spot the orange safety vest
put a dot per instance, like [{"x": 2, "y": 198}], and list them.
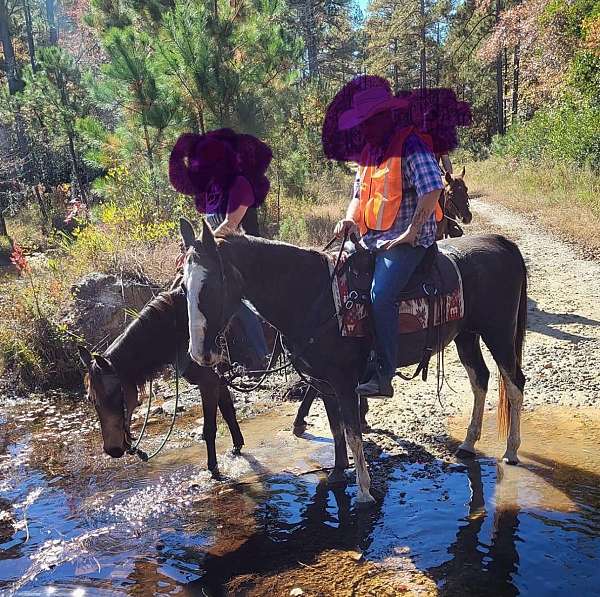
[{"x": 381, "y": 185}]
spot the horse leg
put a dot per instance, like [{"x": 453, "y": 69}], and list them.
[
  {"x": 299, "y": 422},
  {"x": 512, "y": 384},
  {"x": 364, "y": 409},
  {"x": 228, "y": 411},
  {"x": 210, "y": 401},
  {"x": 209, "y": 384},
  {"x": 469, "y": 352},
  {"x": 336, "y": 476},
  {"x": 349, "y": 406}
]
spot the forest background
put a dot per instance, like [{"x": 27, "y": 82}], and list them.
[{"x": 93, "y": 94}]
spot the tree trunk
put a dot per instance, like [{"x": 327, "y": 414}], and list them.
[
  {"x": 150, "y": 158},
  {"x": 43, "y": 211},
  {"x": 423, "y": 49},
  {"x": 3, "y": 228},
  {"x": 396, "y": 73},
  {"x": 52, "y": 30},
  {"x": 10, "y": 64},
  {"x": 29, "y": 29},
  {"x": 515, "y": 93},
  {"x": 75, "y": 165},
  {"x": 499, "y": 80},
  {"x": 310, "y": 39}
]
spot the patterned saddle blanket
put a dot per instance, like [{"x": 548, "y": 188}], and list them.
[{"x": 437, "y": 276}]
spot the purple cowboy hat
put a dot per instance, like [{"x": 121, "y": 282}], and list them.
[
  {"x": 368, "y": 102},
  {"x": 435, "y": 112},
  {"x": 203, "y": 165}
]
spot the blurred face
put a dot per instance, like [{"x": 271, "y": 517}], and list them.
[{"x": 376, "y": 129}]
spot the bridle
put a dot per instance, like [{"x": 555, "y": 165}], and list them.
[{"x": 449, "y": 199}]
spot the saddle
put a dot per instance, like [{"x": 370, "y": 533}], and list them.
[{"x": 433, "y": 296}]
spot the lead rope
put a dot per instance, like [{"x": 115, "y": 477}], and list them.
[{"x": 135, "y": 449}]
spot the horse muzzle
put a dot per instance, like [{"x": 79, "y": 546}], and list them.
[{"x": 114, "y": 452}]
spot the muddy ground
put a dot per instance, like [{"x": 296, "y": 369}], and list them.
[{"x": 275, "y": 528}]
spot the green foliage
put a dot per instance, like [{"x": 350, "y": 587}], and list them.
[
  {"x": 571, "y": 14},
  {"x": 585, "y": 75},
  {"x": 568, "y": 132}
]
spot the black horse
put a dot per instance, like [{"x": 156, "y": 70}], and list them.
[
  {"x": 156, "y": 338},
  {"x": 289, "y": 287}
]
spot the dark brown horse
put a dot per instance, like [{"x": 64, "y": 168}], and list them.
[
  {"x": 156, "y": 338},
  {"x": 455, "y": 204},
  {"x": 454, "y": 201},
  {"x": 290, "y": 288}
]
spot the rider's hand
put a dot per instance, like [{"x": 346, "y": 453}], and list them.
[
  {"x": 345, "y": 226},
  {"x": 408, "y": 238}
]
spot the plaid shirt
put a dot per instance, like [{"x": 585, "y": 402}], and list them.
[{"x": 420, "y": 175}]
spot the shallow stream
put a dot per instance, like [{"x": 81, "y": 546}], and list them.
[{"x": 74, "y": 522}]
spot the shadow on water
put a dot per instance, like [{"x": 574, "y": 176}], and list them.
[{"x": 472, "y": 527}]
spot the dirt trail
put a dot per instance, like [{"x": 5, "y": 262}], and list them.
[{"x": 562, "y": 352}]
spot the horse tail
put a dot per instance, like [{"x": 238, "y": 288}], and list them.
[{"x": 503, "y": 402}]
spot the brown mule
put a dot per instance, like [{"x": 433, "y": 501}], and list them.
[{"x": 455, "y": 204}]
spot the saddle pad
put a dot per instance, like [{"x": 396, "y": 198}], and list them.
[{"x": 413, "y": 312}]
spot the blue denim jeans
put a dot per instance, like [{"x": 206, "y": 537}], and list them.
[
  {"x": 393, "y": 270},
  {"x": 253, "y": 330}
]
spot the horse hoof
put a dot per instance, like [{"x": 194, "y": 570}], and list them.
[
  {"x": 512, "y": 460},
  {"x": 365, "y": 501},
  {"x": 216, "y": 475},
  {"x": 300, "y": 429},
  {"x": 336, "y": 477},
  {"x": 236, "y": 450}
]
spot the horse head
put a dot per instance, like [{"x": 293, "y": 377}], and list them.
[
  {"x": 114, "y": 400},
  {"x": 457, "y": 204},
  {"x": 212, "y": 299}
]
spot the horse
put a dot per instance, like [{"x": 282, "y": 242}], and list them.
[
  {"x": 290, "y": 288},
  {"x": 454, "y": 201},
  {"x": 158, "y": 336}
]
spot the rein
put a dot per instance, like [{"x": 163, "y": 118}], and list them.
[{"x": 240, "y": 371}]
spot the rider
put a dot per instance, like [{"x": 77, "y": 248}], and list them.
[
  {"x": 226, "y": 173},
  {"x": 396, "y": 190}
]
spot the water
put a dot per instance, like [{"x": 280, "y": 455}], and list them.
[{"x": 73, "y": 522}]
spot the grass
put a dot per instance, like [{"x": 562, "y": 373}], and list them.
[{"x": 562, "y": 198}]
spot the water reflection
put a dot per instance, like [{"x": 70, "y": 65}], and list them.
[{"x": 474, "y": 527}]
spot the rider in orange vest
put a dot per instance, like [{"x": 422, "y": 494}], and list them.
[{"x": 396, "y": 192}]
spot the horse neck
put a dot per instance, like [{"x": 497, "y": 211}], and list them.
[
  {"x": 151, "y": 341},
  {"x": 281, "y": 281}
]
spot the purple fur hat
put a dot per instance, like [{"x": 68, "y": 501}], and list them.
[{"x": 205, "y": 166}]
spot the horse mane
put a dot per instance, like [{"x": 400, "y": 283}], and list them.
[
  {"x": 150, "y": 341},
  {"x": 236, "y": 239}
]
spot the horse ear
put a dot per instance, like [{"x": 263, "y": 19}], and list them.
[
  {"x": 103, "y": 363},
  {"x": 207, "y": 238},
  {"x": 86, "y": 356},
  {"x": 188, "y": 234},
  {"x": 462, "y": 174},
  {"x": 448, "y": 177}
]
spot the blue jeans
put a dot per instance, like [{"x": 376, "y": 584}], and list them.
[
  {"x": 253, "y": 330},
  {"x": 393, "y": 270}
]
